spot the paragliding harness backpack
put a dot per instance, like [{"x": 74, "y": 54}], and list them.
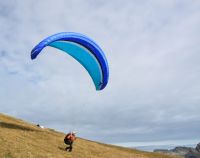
[{"x": 67, "y": 139}]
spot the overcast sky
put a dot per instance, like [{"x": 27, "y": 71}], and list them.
[{"x": 153, "y": 52}]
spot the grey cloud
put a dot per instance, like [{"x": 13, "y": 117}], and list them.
[{"x": 153, "y": 54}]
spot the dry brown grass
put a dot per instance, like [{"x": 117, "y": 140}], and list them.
[{"x": 19, "y": 139}]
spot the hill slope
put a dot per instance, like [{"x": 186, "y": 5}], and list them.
[{"x": 19, "y": 139}]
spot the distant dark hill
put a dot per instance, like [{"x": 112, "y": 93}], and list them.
[
  {"x": 186, "y": 152},
  {"x": 19, "y": 139}
]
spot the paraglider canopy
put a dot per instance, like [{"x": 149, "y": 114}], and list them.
[{"x": 84, "y": 50}]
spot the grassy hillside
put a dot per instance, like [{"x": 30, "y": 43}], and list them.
[{"x": 19, "y": 139}]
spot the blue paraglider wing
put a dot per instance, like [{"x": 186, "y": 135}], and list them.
[{"x": 84, "y": 50}]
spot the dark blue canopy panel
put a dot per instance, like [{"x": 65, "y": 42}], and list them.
[{"x": 84, "y": 50}]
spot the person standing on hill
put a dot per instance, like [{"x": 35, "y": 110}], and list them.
[{"x": 69, "y": 139}]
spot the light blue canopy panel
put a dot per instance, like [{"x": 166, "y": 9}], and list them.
[{"x": 83, "y": 56}]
